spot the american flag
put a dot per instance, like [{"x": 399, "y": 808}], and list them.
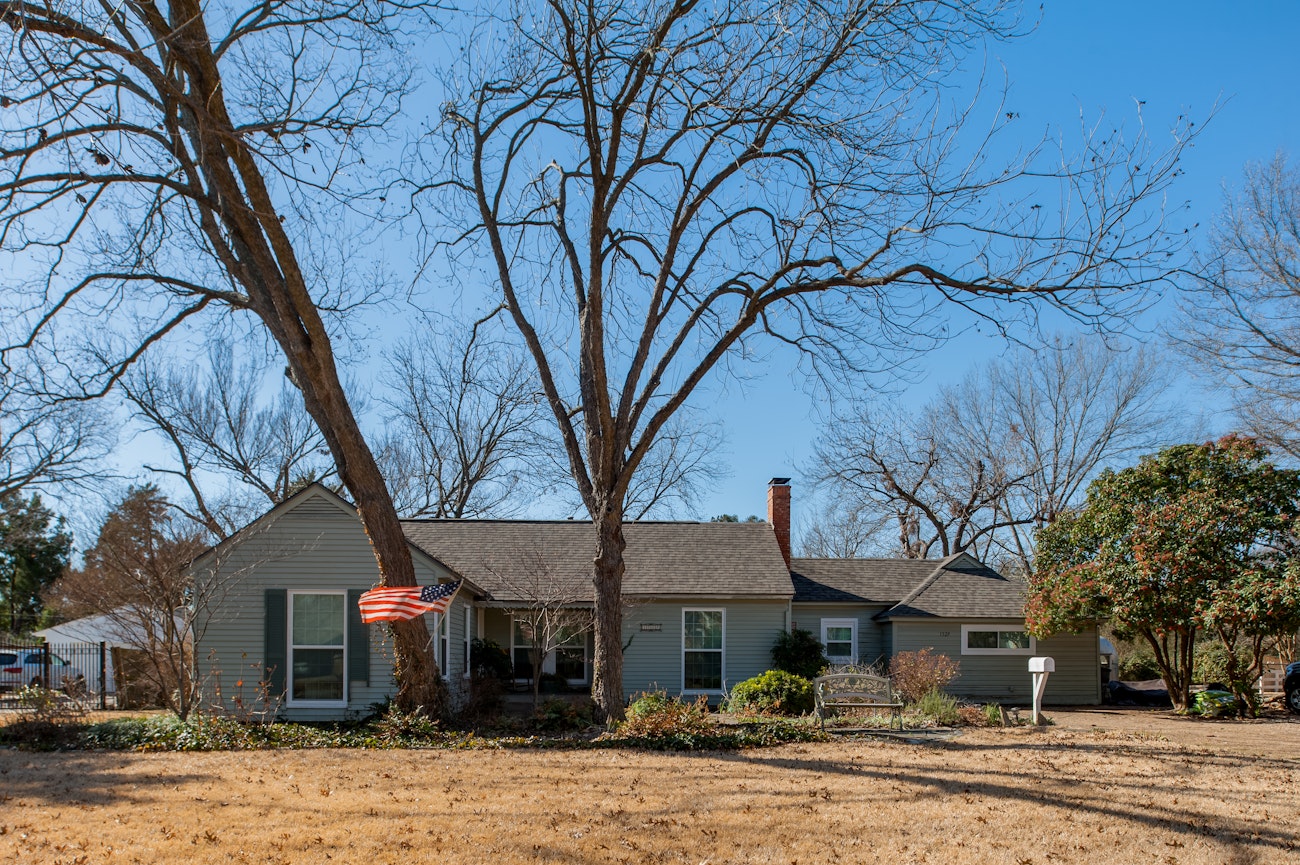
[{"x": 391, "y": 604}]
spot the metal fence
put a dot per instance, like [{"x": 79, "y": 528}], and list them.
[{"x": 82, "y": 670}]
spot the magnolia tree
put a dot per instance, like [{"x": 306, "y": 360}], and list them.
[{"x": 1198, "y": 539}]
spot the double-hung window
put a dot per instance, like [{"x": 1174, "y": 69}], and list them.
[
  {"x": 996, "y": 640},
  {"x": 703, "y": 650},
  {"x": 317, "y": 648},
  {"x": 840, "y": 639}
]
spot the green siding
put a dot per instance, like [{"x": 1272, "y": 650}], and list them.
[
  {"x": 1006, "y": 678},
  {"x": 871, "y": 636},
  {"x": 653, "y": 659},
  {"x": 315, "y": 545}
]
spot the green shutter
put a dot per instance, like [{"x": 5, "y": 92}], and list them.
[
  {"x": 358, "y": 641},
  {"x": 275, "y": 632}
]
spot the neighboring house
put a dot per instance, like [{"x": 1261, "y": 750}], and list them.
[
  {"x": 705, "y": 602},
  {"x": 78, "y": 641}
]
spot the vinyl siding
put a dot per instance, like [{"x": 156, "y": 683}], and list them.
[
  {"x": 313, "y": 546},
  {"x": 653, "y": 659},
  {"x": 871, "y": 636},
  {"x": 1006, "y": 678}
]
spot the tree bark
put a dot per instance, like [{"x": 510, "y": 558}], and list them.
[{"x": 607, "y": 666}]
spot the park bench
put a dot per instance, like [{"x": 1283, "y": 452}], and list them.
[{"x": 856, "y": 691}]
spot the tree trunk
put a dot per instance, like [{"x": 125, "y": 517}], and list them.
[
  {"x": 607, "y": 666},
  {"x": 1175, "y": 665}
]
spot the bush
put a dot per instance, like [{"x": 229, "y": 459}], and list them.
[
  {"x": 775, "y": 692},
  {"x": 487, "y": 658},
  {"x": 916, "y": 674},
  {"x": 655, "y": 714},
  {"x": 1210, "y": 662},
  {"x": 562, "y": 716},
  {"x": 800, "y": 653},
  {"x": 659, "y": 722},
  {"x": 1214, "y": 704},
  {"x": 937, "y": 707},
  {"x": 1138, "y": 667}
]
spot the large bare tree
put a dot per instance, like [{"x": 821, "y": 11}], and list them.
[
  {"x": 662, "y": 187},
  {"x": 236, "y": 450},
  {"x": 1242, "y": 315},
  {"x": 987, "y": 462},
  {"x": 163, "y": 158}
]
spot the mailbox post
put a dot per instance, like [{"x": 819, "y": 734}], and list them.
[{"x": 1040, "y": 667}]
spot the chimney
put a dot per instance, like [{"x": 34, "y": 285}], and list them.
[{"x": 778, "y": 513}]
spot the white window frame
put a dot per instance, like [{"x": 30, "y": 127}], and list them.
[
  {"x": 966, "y": 629},
  {"x": 722, "y": 679},
  {"x": 852, "y": 624},
  {"x": 468, "y": 616},
  {"x": 291, "y": 647},
  {"x": 441, "y": 631}
]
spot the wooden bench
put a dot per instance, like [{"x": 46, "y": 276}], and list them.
[{"x": 856, "y": 691}]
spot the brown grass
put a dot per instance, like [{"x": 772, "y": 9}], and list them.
[{"x": 1067, "y": 795}]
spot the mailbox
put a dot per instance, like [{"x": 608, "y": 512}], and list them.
[{"x": 1042, "y": 665}]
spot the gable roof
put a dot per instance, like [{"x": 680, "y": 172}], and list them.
[
  {"x": 871, "y": 581},
  {"x": 314, "y": 491},
  {"x": 959, "y": 586},
  {"x": 963, "y": 587},
  {"x": 507, "y": 558}
]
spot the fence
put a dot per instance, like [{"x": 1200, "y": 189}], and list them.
[
  {"x": 84, "y": 670},
  {"x": 1270, "y": 683}
]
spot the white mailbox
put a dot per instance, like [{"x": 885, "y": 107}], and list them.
[{"x": 1040, "y": 667}]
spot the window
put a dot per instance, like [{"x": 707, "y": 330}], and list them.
[
  {"x": 703, "y": 666},
  {"x": 571, "y": 654},
  {"x": 465, "y": 672},
  {"x": 840, "y": 638},
  {"x": 442, "y": 631},
  {"x": 521, "y": 649},
  {"x": 996, "y": 640},
  {"x": 316, "y": 647}
]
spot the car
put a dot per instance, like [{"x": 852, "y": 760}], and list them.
[
  {"x": 20, "y": 667},
  {"x": 1291, "y": 685}
]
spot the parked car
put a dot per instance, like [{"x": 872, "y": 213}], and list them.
[
  {"x": 21, "y": 667},
  {"x": 1291, "y": 685}
]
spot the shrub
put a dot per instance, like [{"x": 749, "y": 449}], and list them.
[
  {"x": 1214, "y": 704},
  {"x": 1210, "y": 662},
  {"x": 916, "y": 674},
  {"x": 655, "y": 714},
  {"x": 487, "y": 658},
  {"x": 775, "y": 692},
  {"x": 562, "y": 716},
  {"x": 800, "y": 653},
  {"x": 1138, "y": 667},
  {"x": 937, "y": 707}
]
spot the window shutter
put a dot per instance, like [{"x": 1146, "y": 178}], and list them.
[
  {"x": 358, "y": 641},
  {"x": 275, "y": 632}
]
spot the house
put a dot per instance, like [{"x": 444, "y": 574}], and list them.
[{"x": 705, "y": 602}]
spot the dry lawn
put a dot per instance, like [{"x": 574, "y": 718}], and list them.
[{"x": 1079, "y": 793}]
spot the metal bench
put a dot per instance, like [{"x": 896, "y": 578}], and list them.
[{"x": 856, "y": 691}]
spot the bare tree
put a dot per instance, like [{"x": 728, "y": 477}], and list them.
[
  {"x": 221, "y": 427},
  {"x": 163, "y": 159},
  {"x": 48, "y": 443},
  {"x": 843, "y": 531},
  {"x": 988, "y": 462},
  {"x": 912, "y": 473},
  {"x": 134, "y": 576},
  {"x": 661, "y": 185},
  {"x": 1242, "y": 316},
  {"x": 554, "y": 608},
  {"x": 465, "y": 425}
]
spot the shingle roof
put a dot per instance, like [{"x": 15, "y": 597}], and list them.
[
  {"x": 956, "y": 587},
  {"x": 962, "y": 587},
  {"x": 879, "y": 581},
  {"x": 507, "y": 558}
]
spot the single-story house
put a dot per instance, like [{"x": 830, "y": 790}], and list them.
[{"x": 705, "y": 602}]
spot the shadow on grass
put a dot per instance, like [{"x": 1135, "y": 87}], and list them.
[
  {"x": 81, "y": 778},
  {"x": 1155, "y": 797}
]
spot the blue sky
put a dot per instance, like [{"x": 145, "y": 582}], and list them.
[{"x": 1090, "y": 57}]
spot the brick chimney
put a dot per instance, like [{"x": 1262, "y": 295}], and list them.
[{"x": 778, "y": 513}]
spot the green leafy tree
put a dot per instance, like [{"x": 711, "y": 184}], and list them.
[
  {"x": 1198, "y": 538},
  {"x": 34, "y": 549}
]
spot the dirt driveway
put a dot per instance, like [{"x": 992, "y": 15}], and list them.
[{"x": 1274, "y": 736}]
